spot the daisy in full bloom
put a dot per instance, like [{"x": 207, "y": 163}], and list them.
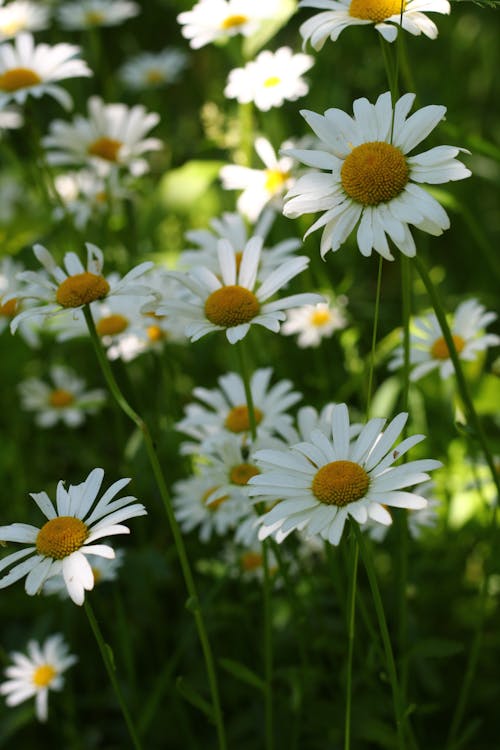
[
  {"x": 111, "y": 136},
  {"x": 321, "y": 482},
  {"x": 315, "y": 322},
  {"x": 429, "y": 350},
  {"x": 29, "y": 70},
  {"x": 387, "y": 15},
  {"x": 153, "y": 69},
  {"x": 210, "y": 20},
  {"x": 370, "y": 180},
  {"x": 22, "y": 15},
  {"x": 233, "y": 300},
  {"x": 60, "y": 547},
  {"x": 85, "y": 14},
  {"x": 270, "y": 79},
  {"x": 64, "y": 399},
  {"x": 35, "y": 673}
]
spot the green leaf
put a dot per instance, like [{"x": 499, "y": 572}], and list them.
[
  {"x": 269, "y": 29},
  {"x": 192, "y": 696},
  {"x": 242, "y": 673}
]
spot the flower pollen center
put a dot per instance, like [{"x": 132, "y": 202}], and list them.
[
  {"x": 238, "y": 419},
  {"x": 213, "y": 504},
  {"x": 231, "y": 306},
  {"x": 154, "y": 75},
  {"x": 155, "y": 333},
  {"x": 60, "y": 398},
  {"x": 112, "y": 325},
  {"x": 43, "y": 675},
  {"x": 340, "y": 483},
  {"x": 439, "y": 349},
  {"x": 376, "y": 10},
  {"x": 9, "y": 309},
  {"x": 94, "y": 18},
  {"x": 106, "y": 148},
  {"x": 18, "y": 78},
  {"x": 275, "y": 180},
  {"x": 320, "y": 318},
  {"x": 251, "y": 561},
  {"x": 272, "y": 81},
  {"x": 241, "y": 473},
  {"x": 61, "y": 536},
  {"x": 81, "y": 289},
  {"x": 374, "y": 172},
  {"x": 232, "y": 22}
]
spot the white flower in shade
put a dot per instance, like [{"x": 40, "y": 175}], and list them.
[
  {"x": 320, "y": 483},
  {"x": 271, "y": 79},
  {"x": 63, "y": 400},
  {"x": 87, "y": 196},
  {"x": 10, "y": 305},
  {"x": 315, "y": 322},
  {"x": 85, "y": 14},
  {"x": 74, "y": 286},
  {"x": 233, "y": 300},
  {"x": 370, "y": 180},
  {"x": 387, "y": 15},
  {"x": 35, "y": 673},
  {"x": 429, "y": 350},
  {"x": 153, "y": 69},
  {"x": 111, "y": 136},
  {"x": 10, "y": 119},
  {"x": 210, "y": 20},
  {"x": 246, "y": 563},
  {"x": 103, "y": 569},
  {"x": 60, "y": 547},
  {"x": 260, "y": 186},
  {"x": 22, "y": 15},
  {"x": 29, "y": 70}
]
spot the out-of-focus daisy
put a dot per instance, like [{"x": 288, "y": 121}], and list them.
[
  {"x": 10, "y": 119},
  {"x": 22, "y": 15},
  {"x": 315, "y": 322},
  {"x": 233, "y": 300},
  {"x": 87, "y": 195},
  {"x": 29, "y": 70},
  {"x": 246, "y": 563},
  {"x": 428, "y": 348},
  {"x": 370, "y": 180},
  {"x": 85, "y": 14},
  {"x": 111, "y": 136},
  {"x": 260, "y": 186},
  {"x": 103, "y": 569},
  {"x": 153, "y": 69},
  {"x": 321, "y": 482},
  {"x": 60, "y": 546},
  {"x": 35, "y": 673},
  {"x": 63, "y": 400},
  {"x": 270, "y": 79},
  {"x": 210, "y": 20},
  {"x": 10, "y": 305},
  {"x": 387, "y": 15}
]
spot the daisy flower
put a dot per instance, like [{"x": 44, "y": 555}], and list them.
[
  {"x": 387, "y": 15},
  {"x": 35, "y": 673},
  {"x": 85, "y": 14},
  {"x": 246, "y": 563},
  {"x": 370, "y": 180},
  {"x": 153, "y": 69},
  {"x": 29, "y": 70},
  {"x": 10, "y": 304},
  {"x": 60, "y": 546},
  {"x": 111, "y": 136},
  {"x": 270, "y": 79},
  {"x": 315, "y": 322},
  {"x": 321, "y": 482},
  {"x": 22, "y": 15},
  {"x": 211, "y": 20},
  {"x": 233, "y": 300},
  {"x": 10, "y": 119},
  {"x": 428, "y": 348}
]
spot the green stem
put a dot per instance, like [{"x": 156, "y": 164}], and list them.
[
  {"x": 268, "y": 649},
  {"x": 351, "y": 608},
  {"x": 374, "y": 337},
  {"x": 240, "y": 350}
]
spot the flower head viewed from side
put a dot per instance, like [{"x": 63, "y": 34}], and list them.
[
  {"x": 320, "y": 483},
  {"x": 211, "y": 20},
  {"x": 86, "y": 14},
  {"x": 370, "y": 180},
  {"x": 60, "y": 547},
  {"x": 35, "y": 673}
]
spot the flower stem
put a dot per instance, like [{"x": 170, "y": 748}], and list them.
[
  {"x": 351, "y": 610},
  {"x": 374, "y": 337},
  {"x": 268, "y": 649},
  {"x": 240, "y": 350}
]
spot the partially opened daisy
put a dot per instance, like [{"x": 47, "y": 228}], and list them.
[
  {"x": 321, "y": 482},
  {"x": 86, "y": 14},
  {"x": 211, "y": 20},
  {"x": 233, "y": 300},
  {"x": 387, "y": 15},
  {"x": 29, "y": 70},
  {"x": 60, "y": 547},
  {"x": 22, "y": 15},
  {"x": 370, "y": 181},
  {"x": 35, "y": 673}
]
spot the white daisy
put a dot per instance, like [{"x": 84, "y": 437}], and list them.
[
  {"x": 10, "y": 119},
  {"x": 233, "y": 300},
  {"x": 387, "y": 15},
  {"x": 87, "y": 196},
  {"x": 153, "y": 69},
  {"x": 315, "y": 322},
  {"x": 85, "y": 14},
  {"x": 369, "y": 178},
  {"x": 246, "y": 563},
  {"x": 210, "y": 20},
  {"x": 10, "y": 305},
  {"x": 111, "y": 136},
  {"x": 321, "y": 482},
  {"x": 35, "y": 673},
  {"x": 29, "y": 70},
  {"x": 22, "y": 15},
  {"x": 103, "y": 569},
  {"x": 428, "y": 349},
  {"x": 271, "y": 79}
]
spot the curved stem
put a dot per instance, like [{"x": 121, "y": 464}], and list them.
[{"x": 351, "y": 609}]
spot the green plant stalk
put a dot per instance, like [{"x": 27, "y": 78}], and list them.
[
  {"x": 351, "y": 610},
  {"x": 176, "y": 533},
  {"x": 374, "y": 338},
  {"x": 242, "y": 361}
]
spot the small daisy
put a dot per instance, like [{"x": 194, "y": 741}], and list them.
[
  {"x": 387, "y": 15},
  {"x": 26, "y": 70},
  {"x": 153, "y": 69},
  {"x": 10, "y": 305},
  {"x": 111, "y": 136},
  {"x": 370, "y": 180},
  {"x": 315, "y": 322},
  {"x": 63, "y": 400},
  {"x": 87, "y": 196},
  {"x": 321, "y": 482},
  {"x": 211, "y": 20},
  {"x": 36, "y": 673},
  {"x": 428, "y": 349},
  {"x": 271, "y": 79},
  {"x": 85, "y": 14},
  {"x": 246, "y": 563},
  {"x": 22, "y": 15},
  {"x": 10, "y": 119},
  {"x": 60, "y": 546},
  {"x": 233, "y": 301},
  {"x": 103, "y": 569}
]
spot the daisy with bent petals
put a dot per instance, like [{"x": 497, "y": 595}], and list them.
[
  {"x": 370, "y": 180},
  {"x": 210, "y": 20},
  {"x": 60, "y": 547},
  {"x": 321, "y": 482},
  {"x": 387, "y": 15}
]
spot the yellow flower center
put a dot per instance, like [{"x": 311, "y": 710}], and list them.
[
  {"x": 155, "y": 333},
  {"x": 374, "y": 172},
  {"x": 106, "y": 148},
  {"x": 18, "y": 78},
  {"x": 275, "y": 180},
  {"x": 231, "y": 22},
  {"x": 155, "y": 76},
  {"x": 251, "y": 561},
  {"x": 8, "y": 310},
  {"x": 61, "y": 536},
  {"x": 213, "y": 504},
  {"x": 231, "y": 306},
  {"x": 94, "y": 18},
  {"x": 376, "y": 10},
  {"x": 97, "y": 575},
  {"x": 60, "y": 398},
  {"x": 340, "y": 483},
  {"x": 43, "y": 675},
  {"x": 112, "y": 325},
  {"x": 238, "y": 419},
  {"x": 81, "y": 289},
  {"x": 271, "y": 81},
  {"x": 12, "y": 26},
  {"x": 439, "y": 349},
  {"x": 320, "y": 317},
  {"x": 241, "y": 473}
]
